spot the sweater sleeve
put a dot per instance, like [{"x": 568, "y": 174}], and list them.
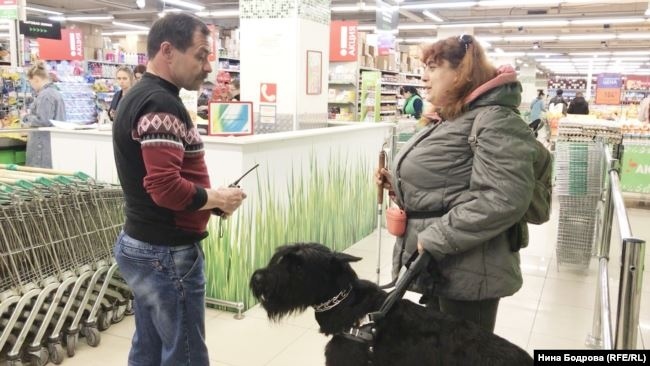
[
  {"x": 45, "y": 110},
  {"x": 162, "y": 135}
]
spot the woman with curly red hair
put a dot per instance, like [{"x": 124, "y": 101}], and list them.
[{"x": 465, "y": 182}]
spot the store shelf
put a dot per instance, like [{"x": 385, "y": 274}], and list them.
[
  {"x": 341, "y": 82},
  {"x": 230, "y": 70},
  {"x": 335, "y": 102},
  {"x": 110, "y": 62},
  {"x": 229, "y": 59},
  {"x": 409, "y": 74},
  {"x": 403, "y": 84},
  {"x": 387, "y": 112},
  {"x": 388, "y": 101}
]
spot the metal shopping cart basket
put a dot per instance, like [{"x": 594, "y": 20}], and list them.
[{"x": 57, "y": 274}]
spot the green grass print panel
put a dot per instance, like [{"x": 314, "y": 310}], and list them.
[{"x": 333, "y": 204}]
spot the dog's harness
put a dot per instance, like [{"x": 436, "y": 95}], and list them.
[{"x": 366, "y": 330}]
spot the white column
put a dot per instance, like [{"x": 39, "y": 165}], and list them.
[{"x": 274, "y": 40}]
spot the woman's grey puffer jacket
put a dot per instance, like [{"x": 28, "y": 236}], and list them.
[{"x": 482, "y": 197}]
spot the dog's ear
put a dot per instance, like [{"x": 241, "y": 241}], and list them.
[{"x": 346, "y": 257}]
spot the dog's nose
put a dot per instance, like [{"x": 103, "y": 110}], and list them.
[{"x": 257, "y": 279}]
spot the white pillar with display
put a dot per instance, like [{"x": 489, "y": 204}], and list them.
[{"x": 284, "y": 64}]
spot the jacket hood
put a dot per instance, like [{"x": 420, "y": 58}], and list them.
[{"x": 503, "y": 89}]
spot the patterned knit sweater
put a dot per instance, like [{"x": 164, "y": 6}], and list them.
[{"x": 160, "y": 163}]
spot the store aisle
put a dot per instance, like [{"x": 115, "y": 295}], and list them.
[{"x": 552, "y": 310}]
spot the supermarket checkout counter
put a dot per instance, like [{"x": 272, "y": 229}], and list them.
[
  {"x": 91, "y": 151},
  {"x": 311, "y": 185}
]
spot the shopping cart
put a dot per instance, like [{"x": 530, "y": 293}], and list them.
[{"x": 57, "y": 273}]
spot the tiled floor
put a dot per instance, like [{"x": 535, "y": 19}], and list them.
[{"x": 553, "y": 310}]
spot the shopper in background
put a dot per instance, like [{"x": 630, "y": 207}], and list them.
[
  {"x": 413, "y": 102},
  {"x": 578, "y": 105},
  {"x": 48, "y": 105},
  {"x": 536, "y": 109},
  {"x": 138, "y": 71},
  {"x": 644, "y": 110},
  {"x": 125, "y": 79},
  {"x": 234, "y": 90},
  {"x": 168, "y": 199},
  {"x": 204, "y": 99},
  {"x": 557, "y": 100},
  {"x": 465, "y": 207}
]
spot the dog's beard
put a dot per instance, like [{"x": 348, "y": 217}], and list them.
[{"x": 276, "y": 299}]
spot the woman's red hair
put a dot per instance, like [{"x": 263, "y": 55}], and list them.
[{"x": 467, "y": 57}]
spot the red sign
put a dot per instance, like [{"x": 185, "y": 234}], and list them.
[
  {"x": 268, "y": 92},
  {"x": 69, "y": 47},
  {"x": 343, "y": 40},
  {"x": 637, "y": 82}
]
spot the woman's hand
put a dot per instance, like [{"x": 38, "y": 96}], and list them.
[{"x": 383, "y": 179}]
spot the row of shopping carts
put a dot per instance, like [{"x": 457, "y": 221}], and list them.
[{"x": 58, "y": 278}]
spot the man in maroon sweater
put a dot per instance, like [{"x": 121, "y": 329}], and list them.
[{"x": 160, "y": 162}]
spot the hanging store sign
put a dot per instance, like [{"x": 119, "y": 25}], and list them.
[
  {"x": 343, "y": 40},
  {"x": 69, "y": 47},
  {"x": 637, "y": 82},
  {"x": 8, "y": 9},
  {"x": 387, "y": 16},
  {"x": 40, "y": 28},
  {"x": 385, "y": 43},
  {"x": 608, "y": 89}
]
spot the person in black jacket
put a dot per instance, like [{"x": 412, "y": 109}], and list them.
[
  {"x": 578, "y": 105},
  {"x": 124, "y": 77}
]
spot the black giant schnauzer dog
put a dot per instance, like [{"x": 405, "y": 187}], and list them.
[{"x": 303, "y": 275}]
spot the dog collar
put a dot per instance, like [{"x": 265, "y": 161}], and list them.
[{"x": 327, "y": 305}]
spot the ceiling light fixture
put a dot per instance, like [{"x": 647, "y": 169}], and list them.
[
  {"x": 433, "y": 16},
  {"x": 586, "y": 37},
  {"x": 530, "y": 38},
  {"x": 125, "y": 33},
  {"x": 459, "y": 4},
  {"x": 536, "y": 23},
  {"x": 597, "y": 21},
  {"x": 44, "y": 11},
  {"x": 353, "y": 8},
  {"x": 184, "y": 4},
  {"x": 226, "y": 13},
  {"x": 469, "y": 25},
  {"x": 416, "y": 26},
  {"x": 81, "y": 18},
  {"x": 129, "y": 25}
]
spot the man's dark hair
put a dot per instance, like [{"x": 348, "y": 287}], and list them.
[
  {"x": 175, "y": 28},
  {"x": 559, "y": 92}
]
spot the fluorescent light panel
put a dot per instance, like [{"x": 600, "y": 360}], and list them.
[
  {"x": 433, "y": 16},
  {"x": 535, "y": 23},
  {"x": 606, "y": 21},
  {"x": 416, "y": 26},
  {"x": 125, "y": 33},
  {"x": 129, "y": 25},
  {"x": 433, "y": 5},
  {"x": 184, "y": 4},
  {"x": 44, "y": 11},
  {"x": 469, "y": 25},
  {"x": 219, "y": 13},
  {"x": 80, "y": 18},
  {"x": 353, "y": 8}
]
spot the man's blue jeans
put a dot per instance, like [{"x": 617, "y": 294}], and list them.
[{"x": 169, "y": 287}]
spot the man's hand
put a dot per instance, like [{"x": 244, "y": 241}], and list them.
[{"x": 228, "y": 199}]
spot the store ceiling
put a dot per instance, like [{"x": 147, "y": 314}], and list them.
[{"x": 615, "y": 30}]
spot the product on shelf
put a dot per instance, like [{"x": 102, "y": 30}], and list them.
[
  {"x": 79, "y": 100},
  {"x": 15, "y": 90}
]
